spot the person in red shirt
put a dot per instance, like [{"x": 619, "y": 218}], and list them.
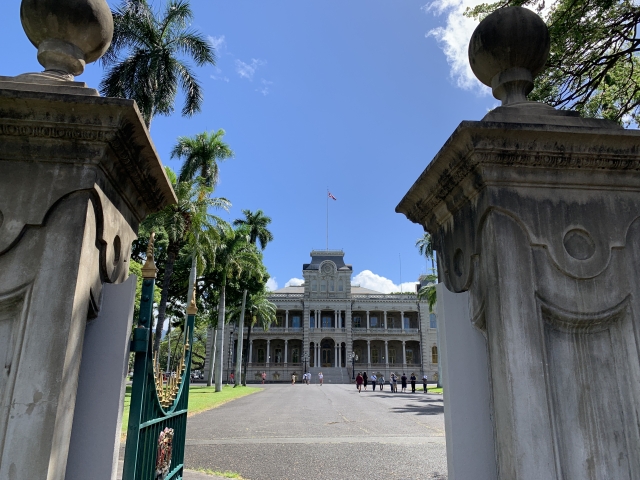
[{"x": 359, "y": 381}]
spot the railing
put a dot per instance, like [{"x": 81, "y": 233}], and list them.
[
  {"x": 404, "y": 296},
  {"x": 286, "y": 295},
  {"x": 377, "y": 330}
]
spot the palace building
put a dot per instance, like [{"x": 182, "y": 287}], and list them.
[{"x": 330, "y": 325}]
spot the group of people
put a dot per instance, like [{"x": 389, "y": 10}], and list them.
[
  {"x": 306, "y": 378},
  {"x": 362, "y": 380}
]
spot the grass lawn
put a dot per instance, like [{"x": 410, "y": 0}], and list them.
[
  {"x": 201, "y": 398},
  {"x": 434, "y": 390}
]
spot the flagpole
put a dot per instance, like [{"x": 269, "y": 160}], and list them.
[{"x": 327, "y": 218}]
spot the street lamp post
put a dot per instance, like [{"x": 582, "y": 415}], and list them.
[{"x": 354, "y": 358}]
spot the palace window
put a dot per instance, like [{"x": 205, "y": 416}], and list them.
[
  {"x": 392, "y": 355},
  {"x": 331, "y": 286},
  {"x": 312, "y": 322},
  {"x": 326, "y": 322},
  {"x": 375, "y": 357},
  {"x": 409, "y": 353},
  {"x": 314, "y": 286},
  {"x": 373, "y": 321},
  {"x": 407, "y": 323},
  {"x": 295, "y": 321},
  {"x": 340, "y": 286},
  {"x": 434, "y": 354},
  {"x": 279, "y": 320},
  {"x": 323, "y": 286},
  {"x": 356, "y": 322},
  {"x": 432, "y": 321},
  {"x": 261, "y": 355},
  {"x": 295, "y": 355}
]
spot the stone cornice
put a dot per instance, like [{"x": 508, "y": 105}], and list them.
[{"x": 457, "y": 173}]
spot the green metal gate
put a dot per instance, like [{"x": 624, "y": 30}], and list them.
[{"x": 158, "y": 410}]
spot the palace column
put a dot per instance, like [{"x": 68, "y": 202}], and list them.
[
  {"x": 335, "y": 355},
  {"x": 286, "y": 321},
  {"x": 404, "y": 354},
  {"x": 335, "y": 314},
  {"x": 385, "y": 320},
  {"x": 286, "y": 343},
  {"x": 368, "y": 353},
  {"x": 386, "y": 352},
  {"x": 268, "y": 356},
  {"x": 402, "y": 320},
  {"x": 367, "y": 320}
]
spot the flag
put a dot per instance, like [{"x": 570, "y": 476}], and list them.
[{"x": 331, "y": 196}]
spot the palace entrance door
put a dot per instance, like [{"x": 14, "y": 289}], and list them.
[{"x": 326, "y": 357}]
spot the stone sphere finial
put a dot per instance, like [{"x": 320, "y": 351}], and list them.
[
  {"x": 507, "y": 50},
  {"x": 68, "y": 33}
]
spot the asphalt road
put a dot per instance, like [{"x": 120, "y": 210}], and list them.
[{"x": 329, "y": 432}]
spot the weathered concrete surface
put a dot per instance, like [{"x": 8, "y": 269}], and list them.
[
  {"x": 77, "y": 175},
  {"x": 101, "y": 387},
  {"x": 467, "y": 391},
  {"x": 314, "y": 432},
  {"x": 535, "y": 213}
]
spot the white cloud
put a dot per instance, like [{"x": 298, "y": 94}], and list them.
[
  {"x": 247, "y": 70},
  {"x": 219, "y": 43},
  {"x": 368, "y": 279},
  {"x": 272, "y": 284},
  {"x": 454, "y": 37},
  {"x": 264, "y": 89},
  {"x": 218, "y": 75},
  {"x": 294, "y": 282}
]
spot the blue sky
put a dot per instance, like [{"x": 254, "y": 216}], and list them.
[{"x": 351, "y": 95}]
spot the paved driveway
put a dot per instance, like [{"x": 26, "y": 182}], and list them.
[{"x": 328, "y": 432}]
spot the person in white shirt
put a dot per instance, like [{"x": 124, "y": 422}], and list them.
[
  {"x": 373, "y": 379},
  {"x": 320, "y": 377},
  {"x": 424, "y": 383}
]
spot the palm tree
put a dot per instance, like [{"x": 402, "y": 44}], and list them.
[
  {"x": 428, "y": 291},
  {"x": 234, "y": 255},
  {"x": 201, "y": 154},
  {"x": 184, "y": 222},
  {"x": 145, "y": 60},
  {"x": 257, "y": 224},
  {"x": 262, "y": 312},
  {"x": 425, "y": 246}
]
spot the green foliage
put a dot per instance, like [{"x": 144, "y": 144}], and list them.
[
  {"x": 146, "y": 59},
  {"x": 257, "y": 224},
  {"x": 428, "y": 292},
  {"x": 201, "y": 154},
  {"x": 593, "y": 62}
]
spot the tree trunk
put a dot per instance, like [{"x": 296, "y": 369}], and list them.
[
  {"x": 220, "y": 334},
  {"x": 212, "y": 357},
  {"x": 246, "y": 358},
  {"x": 162, "y": 308},
  {"x": 240, "y": 339}
]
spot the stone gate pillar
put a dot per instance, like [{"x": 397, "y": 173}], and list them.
[
  {"x": 77, "y": 175},
  {"x": 536, "y": 213}
]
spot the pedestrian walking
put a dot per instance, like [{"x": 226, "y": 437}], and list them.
[
  {"x": 320, "y": 377},
  {"x": 293, "y": 379},
  {"x": 413, "y": 382},
  {"x": 359, "y": 382},
  {"x": 393, "y": 383},
  {"x": 381, "y": 381},
  {"x": 403, "y": 379},
  {"x": 424, "y": 383},
  {"x": 365, "y": 379},
  {"x": 264, "y": 377},
  {"x": 231, "y": 377}
]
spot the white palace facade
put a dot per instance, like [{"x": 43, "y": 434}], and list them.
[{"x": 322, "y": 323}]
